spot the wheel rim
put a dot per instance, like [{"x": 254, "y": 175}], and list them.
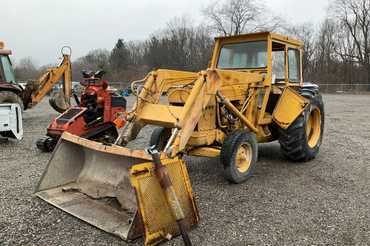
[
  {"x": 313, "y": 127},
  {"x": 244, "y": 157}
]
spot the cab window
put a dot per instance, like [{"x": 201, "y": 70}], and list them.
[
  {"x": 248, "y": 55},
  {"x": 294, "y": 66},
  {"x": 7, "y": 69}
]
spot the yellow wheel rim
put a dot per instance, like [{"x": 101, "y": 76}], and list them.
[
  {"x": 313, "y": 127},
  {"x": 244, "y": 157}
]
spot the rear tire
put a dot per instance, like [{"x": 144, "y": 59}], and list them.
[
  {"x": 239, "y": 154},
  {"x": 159, "y": 138},
  {"x": 11, "y": 97},
  {"x": 302, "y": 140}
]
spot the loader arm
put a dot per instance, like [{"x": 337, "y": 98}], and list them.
[
  {"x": 156, "y": 83},
  {"x": 205, "y": 88},
  {"x": 36, "y": 90},
  {"x": 202, "y": 93},
  {"x": 184, "y": 118}
]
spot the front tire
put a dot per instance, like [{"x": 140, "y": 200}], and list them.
[
  {"x": 302, "y": 140},
  {"x": 239, "y": 154}
]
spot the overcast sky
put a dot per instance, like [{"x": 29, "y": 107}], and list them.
[{"x": 39, "y": 28}]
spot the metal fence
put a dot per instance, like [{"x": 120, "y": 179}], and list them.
[{"x": 345, "y": 88}]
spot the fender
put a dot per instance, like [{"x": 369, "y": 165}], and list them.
[{"x": 309, "y": 89}]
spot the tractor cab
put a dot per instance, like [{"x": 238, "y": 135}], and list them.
[
  {"x": 277, "y": 57},
  {"x": 6, "y": 69}
]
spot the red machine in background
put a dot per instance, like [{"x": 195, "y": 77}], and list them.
[{"x": 98, "y": 115}]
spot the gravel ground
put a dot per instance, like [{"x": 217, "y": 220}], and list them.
[{"x": 324, "y": 202}]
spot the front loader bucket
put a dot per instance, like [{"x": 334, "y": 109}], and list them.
[{"x": 104, "y": 186}]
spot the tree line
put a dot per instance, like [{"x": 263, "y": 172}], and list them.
[{"x": 335, "y": 51}]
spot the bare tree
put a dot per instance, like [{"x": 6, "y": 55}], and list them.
[
  {"x": 354, "y": 15},
  {"x": 26, "y": 69},
  {"x": 97, "y": 59},
  {"x": 234, "y": 17},
  {"x": 179, "y": 46},
  {"x": 136, "y": 52}
]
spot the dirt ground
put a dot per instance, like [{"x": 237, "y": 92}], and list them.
[{"x": 323, "y": 202}]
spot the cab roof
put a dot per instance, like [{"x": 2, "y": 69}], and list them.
[
  {"x": 3, "y": 51},
  {"x": 261, "y": 36}
]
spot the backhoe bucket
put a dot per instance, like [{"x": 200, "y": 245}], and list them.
[
  {"x": 58, "y": 102},
  {"x": 115, "y": 189}
]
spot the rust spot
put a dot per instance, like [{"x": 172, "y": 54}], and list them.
[
  {"x": 140, "y": 172},
  {"x": 213, "y": 75}
]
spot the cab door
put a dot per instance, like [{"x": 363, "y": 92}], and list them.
[{"x": 294, "y": 66}]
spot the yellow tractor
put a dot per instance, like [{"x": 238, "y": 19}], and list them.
[{"x": 251, "y": 93}]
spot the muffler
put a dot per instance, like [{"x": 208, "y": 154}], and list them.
[{"x": 116, "y": 189}]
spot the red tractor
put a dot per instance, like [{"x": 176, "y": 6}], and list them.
[{"x": 98, "y": 115}]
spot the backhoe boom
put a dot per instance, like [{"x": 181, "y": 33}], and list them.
[{"x": 36, "y": 90}]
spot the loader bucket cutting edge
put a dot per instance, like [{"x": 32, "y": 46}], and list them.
[{"x": 115, "y": 189}]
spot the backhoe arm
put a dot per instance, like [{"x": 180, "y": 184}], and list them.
[{"x": 36, "y": 90}]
